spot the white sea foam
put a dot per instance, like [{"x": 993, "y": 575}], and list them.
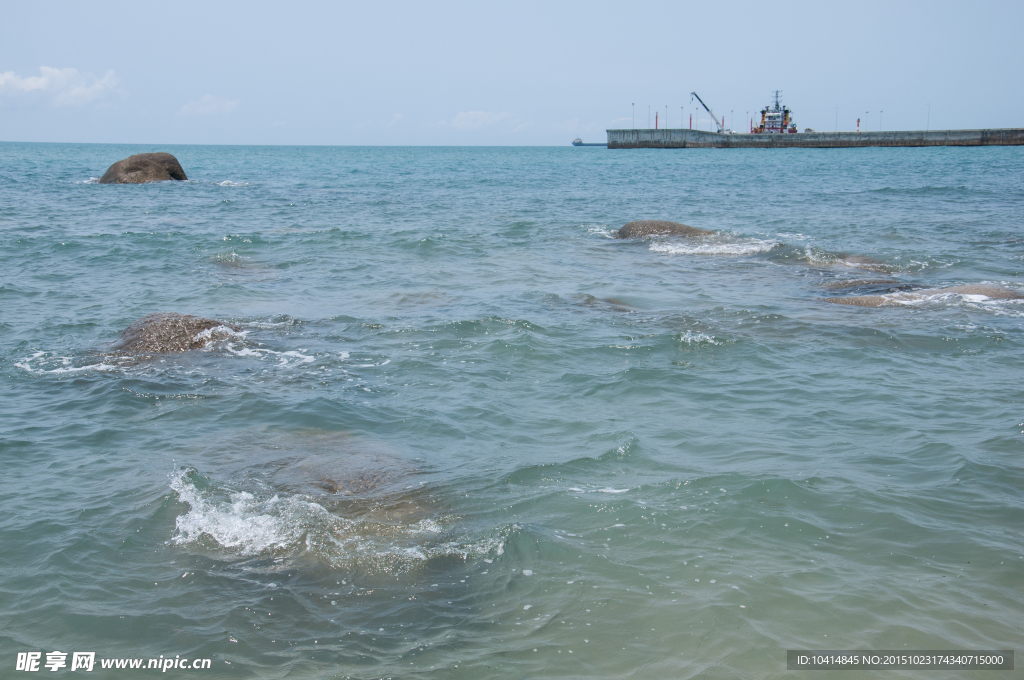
[
  {"x": 255, "y": 523},
  {"x": 265, "y": 325},
  {"x": 40, "y": 364},
  {"x": 229, "y": 183},
  {"x": 283, "y": 358},
  {"x": 603, "y": 231},
  {"x": 243, "y": 523},
  {"x": 998, "y": 306},
  {"x": 219, "y": 333},
  {"x": 383, "y": 363},
  {"x": 691, "y": 338},
  {"x": 712, "y": 246},
  {"x": 602, "y": 490}
]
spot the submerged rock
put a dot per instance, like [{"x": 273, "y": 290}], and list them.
[
  {"x": 864, "y": 262},
  {"x": 642, "y": 228},
  {"x": 165, "y": 332},
  {"x": 995, "y": 292},
  {"x": 144, "y": 167},
  {"x": 862, "y": 300},
  {"x": 862, "y": 283}
]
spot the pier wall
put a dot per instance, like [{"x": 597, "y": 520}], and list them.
[{"x": 699, "y": 139}]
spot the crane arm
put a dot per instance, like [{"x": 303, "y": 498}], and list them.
[{"x": 721, "y": 125}]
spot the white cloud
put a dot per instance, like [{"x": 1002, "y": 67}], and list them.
[
  {"x": 63, "y": 86},
  {"x": 474, "y": 120},
  {"x": 208, "y": 105}
]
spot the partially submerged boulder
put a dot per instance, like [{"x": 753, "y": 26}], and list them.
[
  {"x": 862, "y": 283},
  {"x": 864, "y": 262},
  {"x": 165, "y": 332},
  {"x": 994, "y": 292},
  {"x": 642, "y": 228},
  {"x": 144, "y": 167}
]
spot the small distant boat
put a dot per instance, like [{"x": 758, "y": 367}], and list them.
[{"x": 579, "y": 142}]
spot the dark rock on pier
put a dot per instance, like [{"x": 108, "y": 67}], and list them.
[
  {"x": 144, "y": 167},
  {"x": 165, "y": 332},
  {"x": 642, "y": 228}
]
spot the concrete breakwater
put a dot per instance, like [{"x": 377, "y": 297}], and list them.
[{"x": 698, "y": 139}]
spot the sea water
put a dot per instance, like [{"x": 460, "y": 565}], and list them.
[{"x": 461, "y": 430}]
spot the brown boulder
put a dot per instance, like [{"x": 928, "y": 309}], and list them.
[
  {"x": 166, "y": 332},
  {"x": 144, "y": 167},
  {"x": 642, "y": 228}
]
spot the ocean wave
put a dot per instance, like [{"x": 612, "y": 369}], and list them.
[
  {"x": 999, "y": 300},
  {"x": 709, "y": 246},
  {"x": 42, "y": 363},
  {"x": 259, "y": 522},
  {"x": 283, "y": 358},
  {"x": 219, "y": 333},
  {"x": 377, "y": 365},
  {"x": 602, "y": 230},
  {"x": 691, "y": 338},
  {"x": 285, "y": 322},
  {"x": 229, "y": 183},
  {"x": 227, "y": 258}
]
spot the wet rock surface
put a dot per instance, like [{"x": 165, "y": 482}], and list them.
[
  {"x": 863, "y": 283},
  {"x": 642, "y": 228},
  {"x": 144, "y": 167},
  {"x": 994, "y": 292},
  {"x": 167, "y": 332}
]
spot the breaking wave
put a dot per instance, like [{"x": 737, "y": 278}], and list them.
[
  {"x": 712, "y": 246},
  {"x": 41, "y": 363},
  {"x": 261, "y": 522}
]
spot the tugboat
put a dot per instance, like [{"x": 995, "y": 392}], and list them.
[{"x": 776, "y": 120}]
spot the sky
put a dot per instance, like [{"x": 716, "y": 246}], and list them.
[{"x": 495, "y": 73}]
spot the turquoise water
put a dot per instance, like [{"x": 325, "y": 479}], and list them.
[{"x": 464, "y": 432}]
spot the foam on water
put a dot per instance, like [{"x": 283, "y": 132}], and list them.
[
  {"x": 602, "y": 230},
  {"x": 235, "y": 523},
  {"x": 219, "y": 333},
  {"x": 691, "y": 338},
  {"x": 954, "y": 299},
  {"x": 712, "y": 246},
  {"x": 240, "y": 522},
  {"x": 285, "y": 358},
  {"x": 39, "y": 363}
]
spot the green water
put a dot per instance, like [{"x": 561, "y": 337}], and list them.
[{"x": 463, "y": 431}]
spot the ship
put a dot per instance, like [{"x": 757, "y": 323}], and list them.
[
  {"x": 778, "y": 131},
  {"x": 579, "y": 142},
  {"x": 775, "y": 119}
]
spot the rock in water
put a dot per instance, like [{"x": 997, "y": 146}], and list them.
[
  {"x": 862, "y": 283},
  {"x": 642, "y": 228},
  {"x": 994, "y": 292},
  {"x": 144, "y": 167},
  {"x": 862, "y": 300},
  {"x": 165, "y": 332}
]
